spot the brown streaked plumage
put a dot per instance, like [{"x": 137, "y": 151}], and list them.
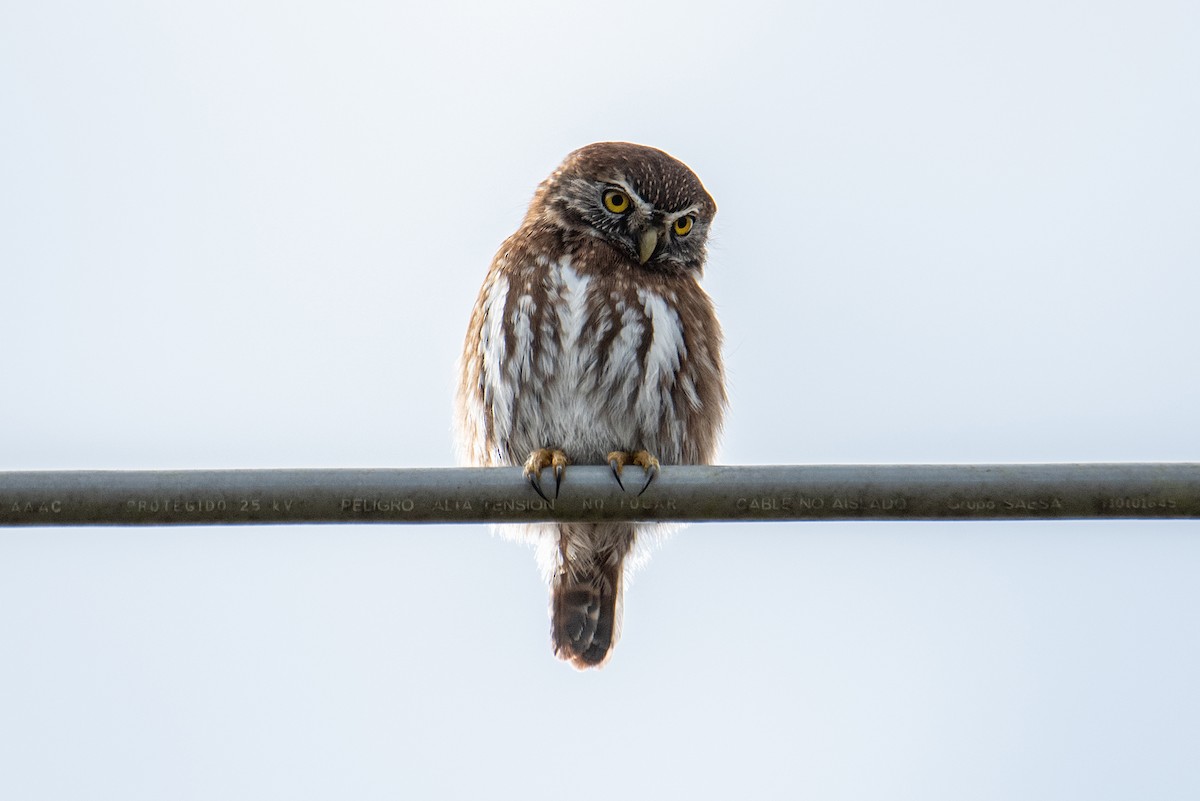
[{"x": 592, "y": 343}]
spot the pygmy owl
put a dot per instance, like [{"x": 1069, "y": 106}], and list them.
[{"x": 593, "y": 343}]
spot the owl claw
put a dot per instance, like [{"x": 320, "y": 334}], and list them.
[
  {"x": 643, "y": 459},
  {"x": 616, "y": 460},
  {"x": 559, "y": 471},
  {"x": 541, "y": 459},
  {"x": 537, "y": 486}
]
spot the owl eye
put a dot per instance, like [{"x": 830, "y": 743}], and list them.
[
  {"x": 683, "y": 225},
  {"x": 616, "y": 201}
]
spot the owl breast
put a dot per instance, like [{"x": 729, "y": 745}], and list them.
[
  {"x": 585, "y": 362},
  {"x": 589, "y": 368}
]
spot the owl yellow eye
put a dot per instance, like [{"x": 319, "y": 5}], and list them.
[
  {"x": 683, "y": 225},
  {"x": 616, "y": 201}
]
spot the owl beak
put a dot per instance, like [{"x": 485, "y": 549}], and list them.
[{"x": 647, "y": 244}]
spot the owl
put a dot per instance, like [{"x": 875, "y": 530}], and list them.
[{"x": 592, "y": 343}]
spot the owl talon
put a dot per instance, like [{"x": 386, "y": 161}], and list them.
[
  {"x": 616, "y": 460},
  {"x": 651, "y": 474},
  {"x": 648, "y": 463},
  {"x": 537, "y": 486},
  {"x": 538, "y": 461},
  {"x": 643, "y": 459}
]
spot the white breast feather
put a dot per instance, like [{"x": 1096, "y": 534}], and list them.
[
  {"x": 492, "y": 349},
  {"x": 662, "y": 359},
  {"x": 622, "y": 372},
  {"x": 572, "y": 406},
  {"x": 520, "y": 367}
]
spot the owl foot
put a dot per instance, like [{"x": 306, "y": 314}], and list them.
[
  {"x": 541, "y": 459},
  {"x": 618, "y": 459}
]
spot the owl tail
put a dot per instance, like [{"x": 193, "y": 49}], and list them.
[{"x": 585, "y": 595}]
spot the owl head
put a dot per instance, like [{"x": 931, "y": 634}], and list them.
[{"x": 645, "y": 204}]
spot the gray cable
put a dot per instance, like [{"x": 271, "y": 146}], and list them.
[{"x": 683, "y": 493}]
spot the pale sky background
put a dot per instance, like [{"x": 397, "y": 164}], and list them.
[{"x": 249, "y": 234}]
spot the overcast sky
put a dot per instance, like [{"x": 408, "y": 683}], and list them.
[{"x": 249, "y": 234}]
